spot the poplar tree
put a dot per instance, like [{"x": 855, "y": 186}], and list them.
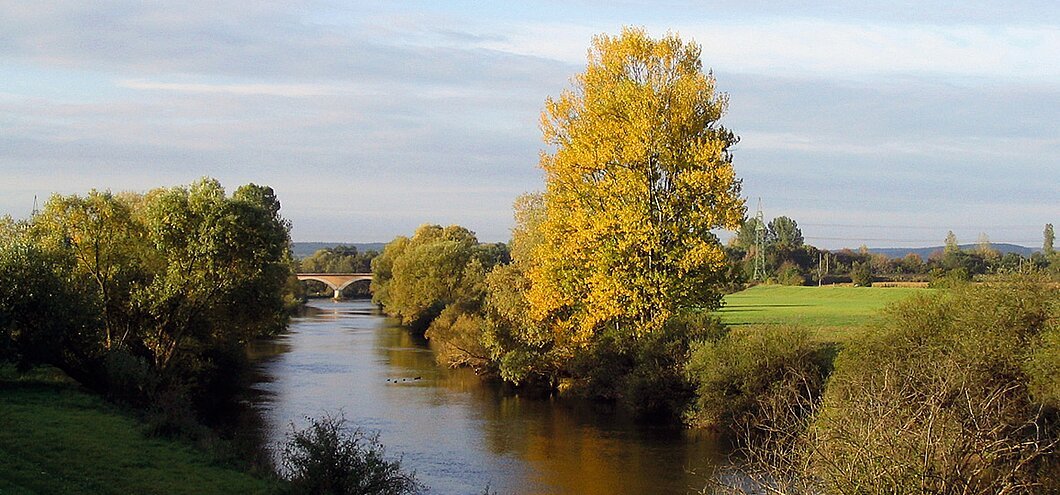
[
  {"x": 1047, "y": 242},
  {"x": 951, "y": 247},
  {"x": 638, "y": 175}
]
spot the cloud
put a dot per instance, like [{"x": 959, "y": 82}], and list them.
[
  {"x": 369, "y": 119},
  {"x": 975, "y": 148},
  {"x": 287, "y": 90},
  {"x": 818, "y": 47}
]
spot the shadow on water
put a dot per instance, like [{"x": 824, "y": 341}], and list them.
[{"x": 458, "y": 432}]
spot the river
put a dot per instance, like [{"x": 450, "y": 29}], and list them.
[{"x": 458, "y": 433}]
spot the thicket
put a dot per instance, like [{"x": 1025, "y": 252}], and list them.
[
  {"x": 743, "y": 377},
  {"x": 327, "y": 457},
  {"x": 954, "y": 393},
  {"x": 148, "y": 299}
]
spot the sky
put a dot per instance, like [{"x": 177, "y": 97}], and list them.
[{"x": 876, "y": 123}]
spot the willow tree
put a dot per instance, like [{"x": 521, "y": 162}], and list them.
[{"x": 638, "y": 175}]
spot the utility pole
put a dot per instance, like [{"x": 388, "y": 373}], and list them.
[
  {"x": 820, "y": 268},
  {"x": 760, "y": 231}
]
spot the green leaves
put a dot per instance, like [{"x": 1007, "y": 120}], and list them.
[
  {"x": 174, "y": 268},
  {"x": 416, "y": 278}
]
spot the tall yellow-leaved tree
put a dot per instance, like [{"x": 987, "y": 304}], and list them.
[{"x": 638, "y": 174}]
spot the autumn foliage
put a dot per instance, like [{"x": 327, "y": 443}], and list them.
[{"x": 638, "y": 173}]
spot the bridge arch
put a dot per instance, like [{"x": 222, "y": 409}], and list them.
[{"x": 335, "y": 281}]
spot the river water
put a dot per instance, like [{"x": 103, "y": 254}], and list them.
[{"x": 458, "y": 433}]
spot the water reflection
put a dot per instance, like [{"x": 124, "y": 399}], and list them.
[{"x": 457, "y": 432}]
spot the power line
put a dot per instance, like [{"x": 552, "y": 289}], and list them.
[
  {"x": 881, "y": 239},
  {"x": 925, "y": 227}
]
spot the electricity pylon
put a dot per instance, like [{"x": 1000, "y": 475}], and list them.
[{"x": 760, "y": 238}]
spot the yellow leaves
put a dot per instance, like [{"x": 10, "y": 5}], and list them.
[
  {"x": 700, "y": 255},
  {"x": 639, "y": 174}
]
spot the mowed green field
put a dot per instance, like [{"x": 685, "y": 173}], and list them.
[
  {"x": 55, "y": 438},
  {"x": 834, "y": 314}
]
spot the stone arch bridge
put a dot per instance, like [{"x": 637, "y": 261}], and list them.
[{"x": 336, "y": 281}]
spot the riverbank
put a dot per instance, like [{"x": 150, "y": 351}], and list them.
[{"x": 57, "y": 438}]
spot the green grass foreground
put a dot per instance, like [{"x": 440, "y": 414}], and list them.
[
  {"x": 55, "y": 438},
  {"x": 834, "y": 314}
]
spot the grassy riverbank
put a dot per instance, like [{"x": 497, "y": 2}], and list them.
[
  {"x": 834, "y": 314},
  {"x": 56, "y": 438}
]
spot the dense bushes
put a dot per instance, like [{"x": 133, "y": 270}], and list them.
[
  {"x": 741, "y": 377},
  {"x": 942, "y": 400},
  {"x": 955, "y": 393},
  {"x": 861, "y": 274},
  {"x": 327, "y": 458},
  {"x": 645, "y": 374},
  {"x": 654, "y": 384},
  {"x": 474, "y": 304},
  {"x": 1043, "y": 367},
  {"x": 943, "y": 279},
  {"x": 789, "y": 274}
]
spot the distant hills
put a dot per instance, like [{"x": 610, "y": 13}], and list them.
[
  {"x": 304, "y": 249},
  {"x": 925, "y": 252}
]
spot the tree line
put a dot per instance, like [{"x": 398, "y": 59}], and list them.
[
  {"x": 148, "y": 299},
  {"x": 787, "y": 259},
  {"x": 338, "y": 259}
]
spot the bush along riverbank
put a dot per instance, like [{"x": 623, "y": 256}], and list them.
[
  {"x": 952, "y": 392},
  {"x": 58, "y": 438}
]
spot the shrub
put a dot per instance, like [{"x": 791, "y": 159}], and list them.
[
  {"x": 943, "y": 400},
  {"x": 1043, "y": 368},
  {"x": 458, "y": 335},
  {"x": 789, "y": 274},
  {"x": 170, "y": 415},
  {"x": 949, "y": 279},
  {"x": 955, "y": 393},
  {"x": 129, "y": 379},
  {"x": 44, "y": 318},
  {"x": 740, "y": 377},
  {"x": 326, "y": 458},
  {"x": 657, "y": 386},
  {"x": 861, "y": 274},
  {"x": 645, "y": 374}
]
